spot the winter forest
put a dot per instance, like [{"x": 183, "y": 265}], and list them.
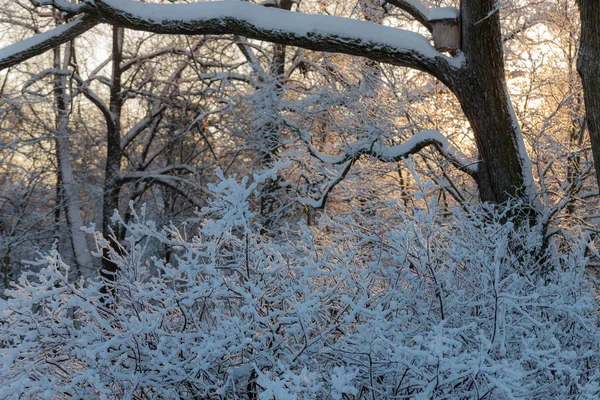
[{"x": 299, "y": 199}]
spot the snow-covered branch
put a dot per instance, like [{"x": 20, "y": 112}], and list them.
[
  {"x": 314, "y": 32},
  {"x": 415, "y": 9},
  {"x": 325, "y": 195},
  {"x": 395, "y": 153},
  {"x": 62, "y": 5},
  {"x": 383, "y": 153},
  {"x": 38, "y": 44}
]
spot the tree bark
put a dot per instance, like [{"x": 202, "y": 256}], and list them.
[
  {"x": 114, "y": 155},
  {"x": 504, "y": 168},
  {"x": 63, "y": 155},
  {"x": 39, "y": 44},
  {"x": 588, "y": 66}
]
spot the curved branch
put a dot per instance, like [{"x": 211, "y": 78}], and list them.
[
  {"x": 146, "y": 57},
  {"x": 168, "y": 181},
  {"x": 415, "y": 9},
  {"x": 142, "y": 125},
  {"x": 313, "y": 32},
  {"x": 40, "y": 43},
  {"x": 320, "y": 204},
  {"x": 47, "y": 72},
  {"x": 161, "y": 172},
  {"x": 395, "y": 153},
  {"x": 83, "y": 88},
  {"x": 383, "y": 153}
]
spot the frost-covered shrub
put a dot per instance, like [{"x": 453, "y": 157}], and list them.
[{"x": 416, "y": 306}]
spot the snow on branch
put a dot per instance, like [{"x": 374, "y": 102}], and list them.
[
  {"x": 62, "y": 5},
  {"x": 395, "y": 153},
  {"x": 319, "y": 204},
  {"x": 40, "y": 43},
  {"x": 383, "y": 153},
  {"x": 313, "y": 32},
  {"x": 414, "y": 8},
  {"x": 166, "y": 176}
]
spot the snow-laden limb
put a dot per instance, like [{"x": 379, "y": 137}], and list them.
[
  {"x": 383, "y": 153},
  {"x": 415, "y": 8},
  {"x": 38, "y": 44},
  {"x": 314, "y": 32},
  {"x": 248, "y": 52},
  {"x": 62, "y": 5},
  {"x": 395, "y": 153}
]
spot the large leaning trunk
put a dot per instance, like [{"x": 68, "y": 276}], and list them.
[
  {"x": 588, "y": 65},
  {"x": 504, "y": 169}
]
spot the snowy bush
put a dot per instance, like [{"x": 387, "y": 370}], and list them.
[{"x": 414, "y": 306}]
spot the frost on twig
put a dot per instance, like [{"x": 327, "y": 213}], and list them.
[{"x": 352, "y": 307}]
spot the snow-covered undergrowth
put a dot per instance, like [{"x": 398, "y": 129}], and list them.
[{"x": 411, "y": 306}]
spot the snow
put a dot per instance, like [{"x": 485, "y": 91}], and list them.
[
  {"x": 391, "y": 153},
  {"x": 275, "y": 20},
  {"x": 419, "y": 6},
  {"x": 526, "y": 164},
  {"x": 442, "y": 13},
  {"x": 26, "y": 44},
  {"x": 415, "y": 303},
  {"x": 401, "y": 150}
]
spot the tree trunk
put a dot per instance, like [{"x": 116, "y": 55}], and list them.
[
  {"x": 114, "y": 154},
  {"x": 63, "y": 154},
  {"x": 588, "y": 65},
  {"x": 504, "y": 168}
]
